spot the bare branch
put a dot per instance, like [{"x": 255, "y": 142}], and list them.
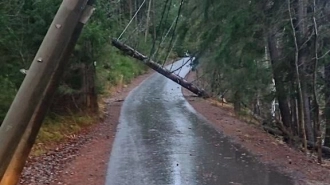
[{"x": 325, "y": 54}]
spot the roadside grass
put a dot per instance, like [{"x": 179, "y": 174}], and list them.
[{"x": 59, "y": 128}]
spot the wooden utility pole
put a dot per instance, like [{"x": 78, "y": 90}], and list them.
[
  {"x": 13, "y": 172},
  {"x": 33, "y": 89},
  {"x": 153, "y": 65}
]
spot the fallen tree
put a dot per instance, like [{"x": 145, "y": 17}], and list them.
[{"x": 155, "y": 66}]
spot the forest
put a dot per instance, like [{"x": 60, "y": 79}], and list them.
[{"x": 268, "y": 58}]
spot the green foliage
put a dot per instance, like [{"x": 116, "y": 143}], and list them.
[
  {"x": 56, "y": 128},
  {"x": 113, "y": 66},
  {"x": 7, "y": 92},
  {"x": 229, "y": 37},
  {"x": 24, "y": 25}
]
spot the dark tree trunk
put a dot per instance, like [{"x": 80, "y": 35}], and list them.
[
  {"x": 327, "y": 104},
  {"x": 326, "y": 41},
  {"x": 130, "y": 8},
  {"x": 214, "y": 82},
  {"x": 295, "y": 126},
  {"x": 237, "y": 102},
  {"x": 304, "y": 56},
  {"x": 88, "y": 88},
  {"x": 281, "y": 94},
  {"x": 308, "y": 120}
]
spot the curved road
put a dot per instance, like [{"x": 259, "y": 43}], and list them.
[{"x": 161, "y": 140}]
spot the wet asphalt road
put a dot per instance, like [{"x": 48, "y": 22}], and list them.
[{"x": 161, "y": 140}]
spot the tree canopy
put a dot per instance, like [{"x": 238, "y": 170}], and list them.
[{"x": 267, "y": 55}]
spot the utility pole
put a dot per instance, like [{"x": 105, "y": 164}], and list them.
[
  {"x": 14, "y": 170},
  {"x": 32, "y": 92}
]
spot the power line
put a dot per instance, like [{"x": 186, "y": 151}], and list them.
[
  {"x": 131, "y": 20},
  {"x": 163, "y": 39},
  {"x": 190, "y": 59},
  {"x": 174, "y": 30},
  {"x": 159, "y": 25},
  {"x": 169, "y": 52},
  {"x": 134, "y": 32}
]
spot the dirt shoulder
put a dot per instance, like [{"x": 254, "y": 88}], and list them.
[
  {"x": 303, "y": 169},
  {"x": 83, "y": 158}
]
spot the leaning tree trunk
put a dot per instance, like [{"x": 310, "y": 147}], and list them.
[{"x": 181, "y": 81}]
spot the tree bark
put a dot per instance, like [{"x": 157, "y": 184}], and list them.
[
  {"x": 137, "y": 55},
  {"x": 275, "y": 55},
  {"x": 154, "y": 32},
  {"x": 303, "y": 61},
  {"x": 294, "y": 113},
  {"x": 327, "y": 104},
  {"x": 88, "y": 89},
  {"x": 326, "y": 41},
  {"x": 130, "y": 8},
  {"x": 316, "y": 107},
  {"x": 237, "y": 102},
  {"x": 307, "y": 114},
  {"x": 147, "y": 22}
]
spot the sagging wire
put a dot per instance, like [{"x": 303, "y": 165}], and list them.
[
  {"x": 132, "y": 33},
  {"x": 173, "y": 33},
  {"x": 185, "y": 63},
  {"x": 159, "y": 26},
  {"x": 131, "y": 20},
  {"x": 163, "y": 39}
]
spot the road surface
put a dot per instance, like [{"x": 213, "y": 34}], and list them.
[{"x": 161, "y": 140}]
